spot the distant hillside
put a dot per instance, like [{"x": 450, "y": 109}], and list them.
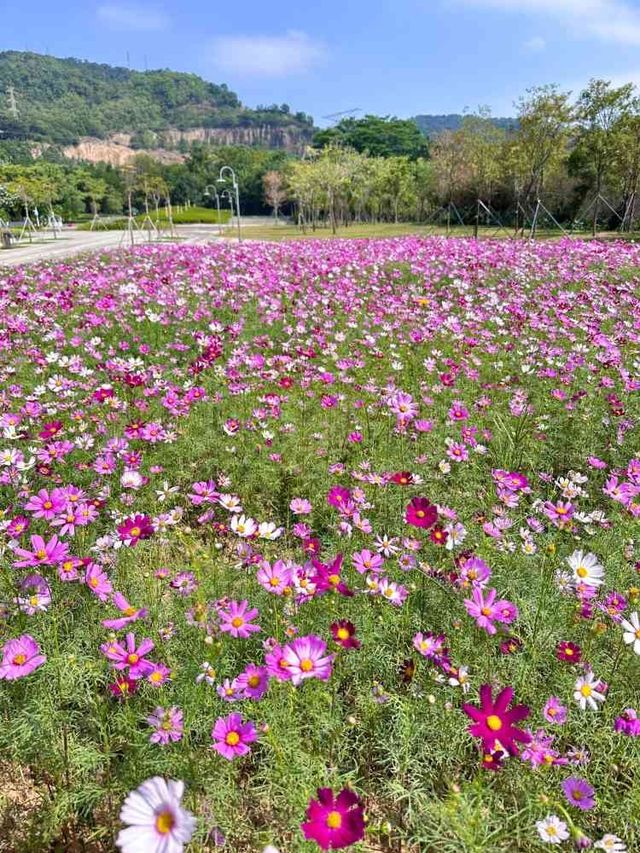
[
  {"x": 63, "y": 101},
  {"x": 432, "y": 125}
]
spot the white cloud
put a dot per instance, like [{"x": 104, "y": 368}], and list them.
[
  {"x": 267, "y": 56},
  {"x": 130, "y": 17},
  {"x": 609, "y": 20},
  {"x": 535, "y": 45}
]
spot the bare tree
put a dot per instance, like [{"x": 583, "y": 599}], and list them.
[{"x": 275, "y": 192}]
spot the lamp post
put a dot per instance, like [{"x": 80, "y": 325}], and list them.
[
  {"x": 208, "y": 194},
  {"x": 221, "y": 180}
]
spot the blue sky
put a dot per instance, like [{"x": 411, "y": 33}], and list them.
[{"x": 384, "y": 56}]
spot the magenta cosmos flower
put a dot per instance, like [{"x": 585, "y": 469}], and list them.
[
  {"x": 328, "y": 577},
  {"x": 421, "y": 513},
  {"x": 20, "y": 657},
  {"x": 132, "y": 530},
  {"x": 157, "y": 823},
  {"x": 232, "y": 736},
  {"x": 334, "y": 822},
  {"x": 306, "y": 658},
  {"x": 494, "y": 723},
  {"x": 237, "y": 619}
]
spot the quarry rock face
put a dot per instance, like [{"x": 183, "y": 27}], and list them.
[{"x": 117, "y": 149}]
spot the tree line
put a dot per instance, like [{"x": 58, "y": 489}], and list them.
[{"x": 577, "y": 160}]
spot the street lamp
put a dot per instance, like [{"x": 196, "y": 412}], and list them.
[
  {"x": 221, "y": 180},
  {"x": 208, "y": 194}
]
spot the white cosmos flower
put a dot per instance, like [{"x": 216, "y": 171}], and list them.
[
  {"x": 586, "y": 692},
  {"x": 268, "y": 530},
  {"x": 230, "y": 502},
  {"x": 611, "y": 843},
  {"x": 631, "y": 628},
  {"x": 243, "y": 526},
  {"x": 157, "y": 821},
  {"x": 552, "y": 830},
  {"x": 586, "y": 568}
]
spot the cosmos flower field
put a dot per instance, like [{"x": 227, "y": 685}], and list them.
[{"x": 338, "y": 538}]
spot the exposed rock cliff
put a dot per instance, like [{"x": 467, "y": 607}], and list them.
[{"x": 117, "y": 150}]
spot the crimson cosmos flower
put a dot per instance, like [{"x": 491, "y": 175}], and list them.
[{"x": 421, "y": 513}]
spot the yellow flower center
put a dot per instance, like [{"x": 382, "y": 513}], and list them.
[
  {"x": 129, "y": 611},
  {"x": 19, "y": 659},
  {"x": 232, "y": 739},
  {"x": 155, "y": 677},
  {"x": 486, "y": 611},
  {"x": 274, "y": 581},
  {"x": 334, "y": 820},
  {"x": 334, "y": 580},
  {"x": 33, "y": 601},
  {"x": 253, "y": 680},
  {"x": 306, "y": 665},
  {"x": 586, "y": 690},
  {"x": 47, "y": 504},
  {"x": 494, "y": 722},
  {"x": 41, "y": 554},
  {"x": 343, "y": 634},
  {"x": 165, "y": 822},
  {"x": 132, "y": 659},
  {"x": 581, "y": 572},
  {"x": 237, "y": 622},
  {"x": 420, "y": 513}
]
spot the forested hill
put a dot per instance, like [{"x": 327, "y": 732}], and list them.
[
  {"x": 432, "y": 125},
  {"x": 46, "y": 99}
]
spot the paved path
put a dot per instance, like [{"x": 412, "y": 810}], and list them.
[{"x": 72, "y": 242}]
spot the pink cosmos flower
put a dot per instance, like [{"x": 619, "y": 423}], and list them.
[
  {"x": 130, "y": 614},
  {"x": 167, "y": 724},
  {"x": 43, "y": 554},
  {"x": 98, "y": 581},
  {"x": 481, "y": 607},
  {"x": 122, "y": 657},
  {"x": 236, "y": 619},
  {"x": 20, "y": 657},
  {"x": 306, "y": 658},
  {"x": 276, "y": 578},
  {"x": 277, "y": 664},
  {"x": 300, "y": 506},
  {"x": 365, "y": 561},
  {"x": 253, "y": 683},
  {"x": 45, "y": 505},
  {"x": 232, "y": 736},
  {"x": 35, "y": 595},
  {"x": 554, "y": 711}
]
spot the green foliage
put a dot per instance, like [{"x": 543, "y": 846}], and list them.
[
  {"x": 432, "y": 125},
  {"x": 376, "y": 135},
  {"x": 60, "y": 100}
]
